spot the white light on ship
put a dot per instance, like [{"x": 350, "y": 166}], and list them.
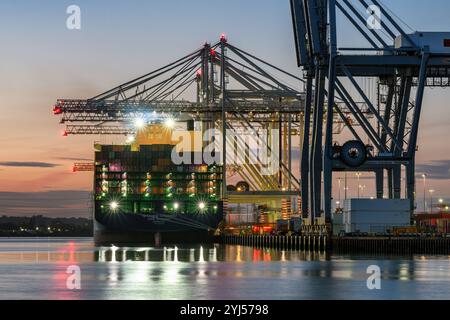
[
  {"x": 114, "y": 205},
  {"x": 201, "y": 205}
]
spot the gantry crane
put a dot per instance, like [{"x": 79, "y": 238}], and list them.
[
  {"x": 219, "y": 85},
  {"x": 402, "y": 64}
]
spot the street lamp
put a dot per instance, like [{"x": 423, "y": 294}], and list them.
[
  {"x": 431, "y": 191},
  {"x": 345, "y": 186},
  {"x": 339, "y": 195},
  {"x": 358, "y": 175},
  {"x": 362, "y": 187},
  {"x": 424, "y": 176}
]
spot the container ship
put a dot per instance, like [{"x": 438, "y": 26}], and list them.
[{"x": 142, "y": 196}]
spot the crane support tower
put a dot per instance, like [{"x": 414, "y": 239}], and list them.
[{"x": 401, "y": 64}]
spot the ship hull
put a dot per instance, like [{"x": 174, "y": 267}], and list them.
[{"x": 154, "y": 230}]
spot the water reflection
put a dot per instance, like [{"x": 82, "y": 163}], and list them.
[
  {"x": 39, "y": 269},
  {"x": 154, "y": 254},
  {"x": 203, "y": 253}
]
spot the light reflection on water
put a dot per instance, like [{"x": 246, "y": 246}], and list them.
[
  {"x": 201, "y": 254},
  {"x": 36, "y": 269}
]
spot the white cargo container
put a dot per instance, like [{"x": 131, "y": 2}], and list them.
[
  {"x": 241, "y": 214},
  {"x": 375, "y": 216},
  {"x": 438, "y": 42}
]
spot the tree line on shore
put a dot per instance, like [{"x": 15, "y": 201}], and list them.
[{"x": 38, "y": 226}]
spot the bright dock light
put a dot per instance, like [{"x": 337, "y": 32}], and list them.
[
  {"x": 169, "y": 123},
  {"x": 139, "y": 123},
  {"x": 131, "y": 139}
]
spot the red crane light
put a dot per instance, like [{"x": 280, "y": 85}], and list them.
[
  {"x": 198, "y": 74},
  {"x": 223, "y": 38},
  {"x": 57, "y": 110}
]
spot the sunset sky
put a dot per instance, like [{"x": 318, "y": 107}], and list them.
[{"x": 41, "y": 60}]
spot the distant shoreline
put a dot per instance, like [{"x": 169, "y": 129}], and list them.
[
  {"x": 44, "y": 237},
  {"x": 47, "y": 227}
]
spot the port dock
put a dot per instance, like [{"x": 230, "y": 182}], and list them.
[
  {"x": 307, "y": 243},
  {"x": 345, "y": 245}
]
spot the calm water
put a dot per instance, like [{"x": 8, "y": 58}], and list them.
[{"x": 37, "y": 269}]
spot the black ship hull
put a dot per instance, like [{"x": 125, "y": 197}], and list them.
[{"x": 155, "y": 229}]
